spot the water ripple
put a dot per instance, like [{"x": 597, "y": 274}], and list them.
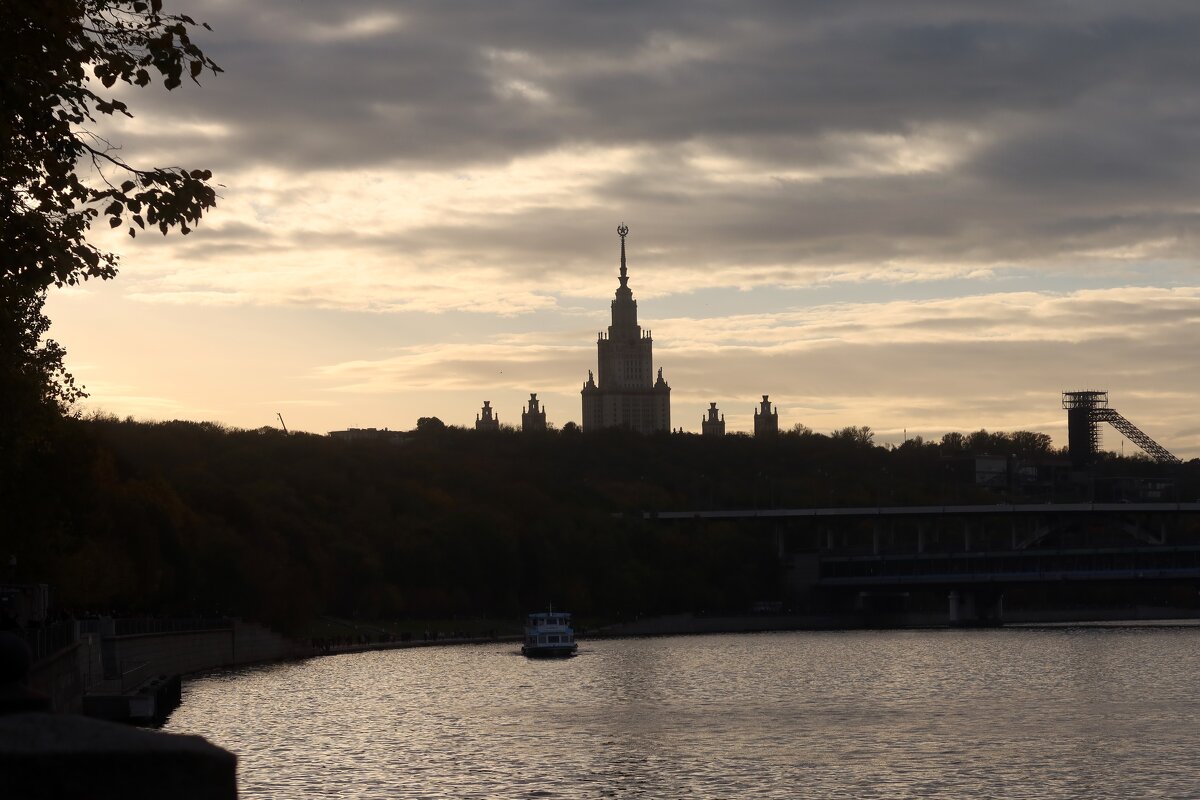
[{"x": 1063, "y": 713}]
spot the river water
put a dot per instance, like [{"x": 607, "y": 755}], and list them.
[{"x": 1013, "y": 713}]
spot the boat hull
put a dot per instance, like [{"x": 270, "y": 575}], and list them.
[{"x": 549, "y": 651}]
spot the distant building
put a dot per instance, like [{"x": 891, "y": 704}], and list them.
[
  {"x": 369, "y": 434},
  {"x": 486, "y": 421},
  {"x": 623, "y": 394},
  {"x": 533, "y": 418},
  {"x": 766, "y": 420},
  {"x": 713, "y": 426}
]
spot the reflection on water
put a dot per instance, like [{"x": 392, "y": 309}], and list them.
[{"x": 1064, "y": 713}]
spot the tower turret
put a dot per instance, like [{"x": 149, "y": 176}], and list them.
[
  {"x": 710, "y": 425},
  {"x": 533, "y": 418},
  {"x": 766, "y": 419},
  {"x": 486, "y": 420},
  {"x": 625, "y": 392}
]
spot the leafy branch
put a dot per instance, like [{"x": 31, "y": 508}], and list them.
[
  {"x": 52, "y": 51},
  {"x": 52, "y": 55}
]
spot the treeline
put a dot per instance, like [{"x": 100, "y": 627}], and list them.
[{"x": 191, "y": 518}]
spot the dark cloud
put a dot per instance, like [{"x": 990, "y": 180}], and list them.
[
  {"x": 299, "y": 94},
  {"x": 1065, "y": 131}
]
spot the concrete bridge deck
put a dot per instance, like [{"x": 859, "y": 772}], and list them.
[
  {"x": 884, "y": 558},
  {"x": 944, "y": 510}
]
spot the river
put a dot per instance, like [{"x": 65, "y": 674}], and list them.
[{"x": 1011, "y": 713}]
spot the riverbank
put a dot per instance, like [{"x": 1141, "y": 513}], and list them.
[
  {"x": 688, "y": 624},
  {"x": 697, "y": 624},
  {"x": 115, "y": 668}
]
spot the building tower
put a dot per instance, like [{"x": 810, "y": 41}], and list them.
[
  {"x": 486, "y": 421},
  {"x": 713, "y": 426},
  {"x": 623, "y": 393},
  {"x": 766, "y": 420},
  {"x": 533, "y": 418}
]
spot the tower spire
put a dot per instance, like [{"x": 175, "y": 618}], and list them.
[{"x": 623, "y": 231}]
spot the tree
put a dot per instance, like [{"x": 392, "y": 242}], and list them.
[
  {"x": 430, "y": 425},
  {"x": 57, "y": 177},
  {"x": 1031, "y": 444},
  {"x": 953, "y": 443},
  {"x": 857, "y": 434},
  {"x": 35, "y": 384},
  {"x": 983, "y": 442},
  {"x": 799, "y": 429}
]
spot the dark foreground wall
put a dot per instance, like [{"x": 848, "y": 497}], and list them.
[
  {"x": 64, "y": 755},
  {"x": 60, "y": 678}
]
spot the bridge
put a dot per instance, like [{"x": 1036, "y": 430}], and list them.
[{"x": 976, "y": 554}]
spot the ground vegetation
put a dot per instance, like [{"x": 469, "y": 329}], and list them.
[{"x": 193, "y": 518}]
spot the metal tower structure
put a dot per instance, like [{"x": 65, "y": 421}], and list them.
[{"x": 1085, "y": 411}]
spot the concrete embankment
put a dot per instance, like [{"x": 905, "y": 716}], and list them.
[
  {"x": 401, "y": 644},
  {"x": 129, "y": 669},
  {"x": 67, "y": 755},
  {"x": 688, "y": 624}
]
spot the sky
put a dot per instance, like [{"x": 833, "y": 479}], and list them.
[{"x": 920, "y": 217}]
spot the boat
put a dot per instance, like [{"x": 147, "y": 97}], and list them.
[{"x": 548, "y": 634}]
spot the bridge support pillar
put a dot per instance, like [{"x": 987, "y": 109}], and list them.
[
  {"x": 976, "y": 608},
  {"x": 961, "y": 605}
]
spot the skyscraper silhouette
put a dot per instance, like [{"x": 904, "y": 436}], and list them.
[{"x": 623, "y": 393}]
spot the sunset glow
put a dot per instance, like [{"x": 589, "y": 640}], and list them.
[{"x": 921, "y": 220}]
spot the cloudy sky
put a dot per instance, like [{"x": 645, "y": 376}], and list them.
[{"x": 915, "y": 216}]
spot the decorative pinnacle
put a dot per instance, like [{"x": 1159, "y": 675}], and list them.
[{"x": 623, "y": 231}]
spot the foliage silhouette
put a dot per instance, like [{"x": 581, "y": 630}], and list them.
[
  {"x": 57, "y": 177},
  {"x": 187, "y": 518}
]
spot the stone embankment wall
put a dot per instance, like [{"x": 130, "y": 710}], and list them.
[
  {"x": 182, "y": 652},
  {"x": 60, "y": 677},
  {"x": 102, "y": 661},
  {"x": 174, "y": 653}
]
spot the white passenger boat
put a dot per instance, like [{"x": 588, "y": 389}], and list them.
[{"x": 548, "y": 634}]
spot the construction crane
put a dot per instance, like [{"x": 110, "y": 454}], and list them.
[{"x": 281, "y": 422}]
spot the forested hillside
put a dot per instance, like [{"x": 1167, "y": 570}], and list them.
[{"x": 186, "y": 518}]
